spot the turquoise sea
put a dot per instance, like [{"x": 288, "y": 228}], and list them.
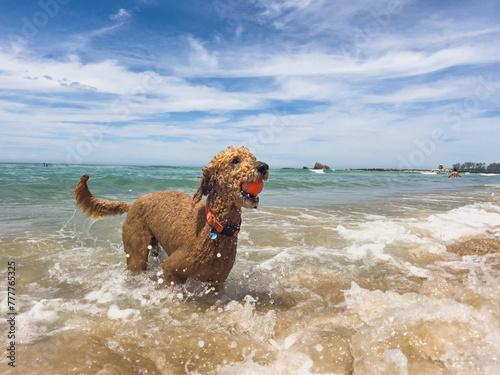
[{"x": 341, "y": 272}]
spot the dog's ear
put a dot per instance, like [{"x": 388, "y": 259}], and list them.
[{"x": 205, "y": 185}]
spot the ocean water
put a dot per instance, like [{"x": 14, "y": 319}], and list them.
[{"x": 341, "y": 272}]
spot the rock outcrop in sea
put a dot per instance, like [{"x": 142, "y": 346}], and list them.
[{"x": 318, "y": 166}]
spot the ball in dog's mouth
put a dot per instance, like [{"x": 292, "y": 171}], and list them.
[
  {"x": 252, "y": 188},
  {"x": 249, "y": 192}
]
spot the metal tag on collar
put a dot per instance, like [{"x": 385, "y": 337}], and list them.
[{"x": 213, "y": 232}]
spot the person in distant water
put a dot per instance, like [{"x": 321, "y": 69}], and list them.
[{"x": 454, "y": 174}]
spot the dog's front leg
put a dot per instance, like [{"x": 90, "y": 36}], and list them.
[{"x": 175, "y": 270}]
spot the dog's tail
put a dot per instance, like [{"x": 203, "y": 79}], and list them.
[{"x": 95, "y": 207}]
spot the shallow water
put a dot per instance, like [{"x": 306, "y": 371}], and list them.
[{"x": 337, "y": 273}]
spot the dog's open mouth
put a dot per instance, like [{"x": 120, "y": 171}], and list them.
[
  {"x": 249, "y": 201},
  {"x": 248, "y": 196}
]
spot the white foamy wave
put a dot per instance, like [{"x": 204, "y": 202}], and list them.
[
  {"x": 390, "y": 320},
  {"x": 381, "y": 230},
  {"x": 373, "y": 306},
  {"x": 115, "y": 313},
  {"x": 357, "y": 252},
  {"x": 468, "y": 220},
  {"x": 245, "y": 318},
  {"x": 39, "y": 319},
  {"x": 465, "y": 221},
  {"x": 287, "y": 362}
]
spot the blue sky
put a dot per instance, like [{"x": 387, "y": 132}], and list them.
[{"x": 363, "y": 83}]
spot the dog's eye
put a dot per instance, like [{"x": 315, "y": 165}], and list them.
[{"x": 235, "y": 161}]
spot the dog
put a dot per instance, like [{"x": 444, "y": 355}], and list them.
[{"x": 200, "y": 238}]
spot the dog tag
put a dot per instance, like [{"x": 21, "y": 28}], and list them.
[{"x": 213, "y": 236}]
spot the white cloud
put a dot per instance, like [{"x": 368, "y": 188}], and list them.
[
  {"x": 144, "y": 92},
  {"x": 277, "y": 8},
  {"x": 120, "y": 16},
  {"x": 201, "y": 60},
  {"x": 386, "y": 64},
  {"x": 440, "y": 90}
]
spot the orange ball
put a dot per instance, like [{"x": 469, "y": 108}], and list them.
[{"x": 253, "y": 188}]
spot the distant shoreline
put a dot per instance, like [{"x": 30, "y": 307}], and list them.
[
  {"x": 386, "y": 170},
  {"x": 401, "y": 170}
]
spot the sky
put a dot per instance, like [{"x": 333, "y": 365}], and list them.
[{"x": 350, "y": 84}]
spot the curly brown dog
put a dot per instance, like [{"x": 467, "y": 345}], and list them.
[{"x": 200, "y": 238}]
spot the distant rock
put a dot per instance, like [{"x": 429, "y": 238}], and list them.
[
  {"x": 321, "y": 166},
  {"x": 318, "y": 166}
]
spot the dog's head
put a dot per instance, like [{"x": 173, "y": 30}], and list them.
[{"x": 227, "y": 172}]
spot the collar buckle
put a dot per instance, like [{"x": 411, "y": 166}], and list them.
[{"x": 230, "y": 231}]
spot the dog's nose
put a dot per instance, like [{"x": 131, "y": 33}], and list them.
[{"x": 262, "y": 168}]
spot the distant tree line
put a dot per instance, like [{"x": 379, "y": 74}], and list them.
[{"x": 477, "y": 167}]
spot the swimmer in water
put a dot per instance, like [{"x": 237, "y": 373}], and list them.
[{"x": 454, "y": 174}]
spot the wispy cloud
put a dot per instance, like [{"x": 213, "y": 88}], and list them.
[{"x": 120, "y": 16}]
